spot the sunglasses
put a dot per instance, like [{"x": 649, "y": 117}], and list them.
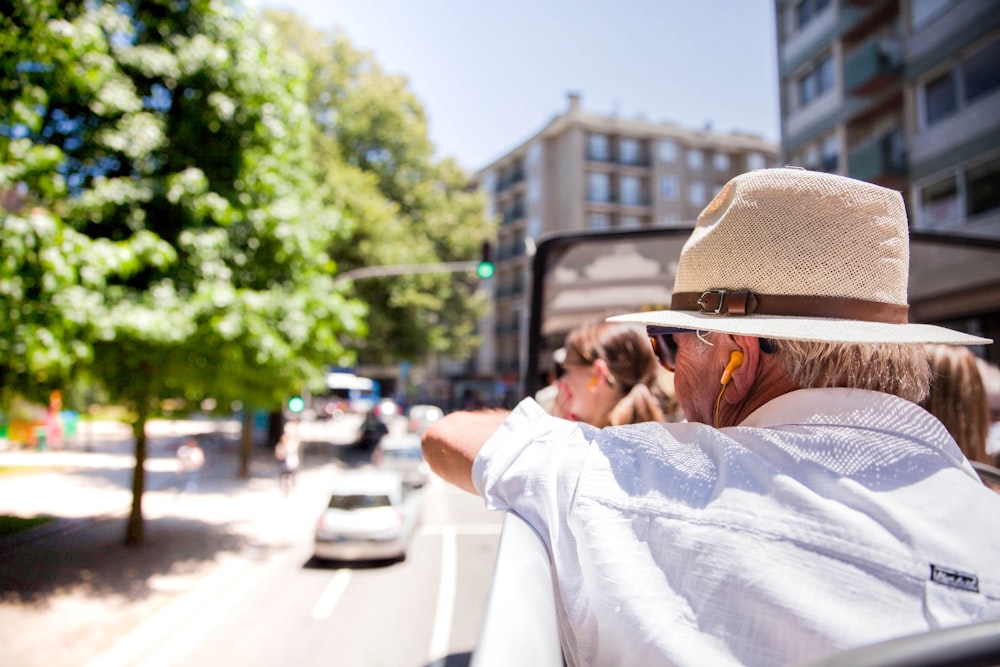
[{"x": 664, "y": 346}]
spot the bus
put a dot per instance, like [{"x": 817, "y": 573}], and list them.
[{"x": 346, "y": 392}]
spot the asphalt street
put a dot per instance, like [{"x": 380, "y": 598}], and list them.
[{"x": 71, "y": 593}]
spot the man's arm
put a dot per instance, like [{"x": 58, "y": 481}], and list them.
[{"x": 450, "y": 445}]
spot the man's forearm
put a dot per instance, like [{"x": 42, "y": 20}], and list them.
[{"x": 451, "y": 444}]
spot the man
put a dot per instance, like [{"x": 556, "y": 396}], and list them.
[{"x": 809, "y": 506}]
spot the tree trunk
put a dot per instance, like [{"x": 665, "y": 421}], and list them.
[
  {"x": 134, "y": 531},
  {"x": 246, "y": 443}
]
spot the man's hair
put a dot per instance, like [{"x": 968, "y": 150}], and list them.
[{"x": 901, "y": 370}]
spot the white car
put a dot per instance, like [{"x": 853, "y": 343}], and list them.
[
  {"x": 420, "y": 417},
  {"x": 370, "y": 516},
  {"x": 402, "y": 454}
]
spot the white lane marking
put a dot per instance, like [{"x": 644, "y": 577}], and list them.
[
  {"x": 460, "y": 529},
  {"x": 441, "y": 634},
  {"x": 330, "y": 596}
]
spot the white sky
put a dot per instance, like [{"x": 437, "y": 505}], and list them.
[{"x": 491, "y": 74}]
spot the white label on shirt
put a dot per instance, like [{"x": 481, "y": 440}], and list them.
[{"x": 954, "y": 578}]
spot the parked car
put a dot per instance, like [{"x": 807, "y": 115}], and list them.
[
  {"x": 402, "y": 454},
  {"x": 420, "y": 417},
  {"x": 370, "y": 516}
]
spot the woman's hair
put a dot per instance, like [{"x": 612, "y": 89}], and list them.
[
  {"x": 900, "y": 370},
  {"x": 958, "y": 398},
  {"x": 633, "y": 367}
]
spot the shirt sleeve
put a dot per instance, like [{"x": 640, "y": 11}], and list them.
[{"x": 532, "y": 463}]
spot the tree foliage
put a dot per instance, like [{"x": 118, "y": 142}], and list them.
[
  {"x": 174, "y": 146},
  {"x": 401, "y": 204}
]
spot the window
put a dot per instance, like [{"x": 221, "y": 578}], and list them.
[
  {"x": 810, "y": 158},
  {"x": 982, "y": 186},
  {"x": 695, "y": 159},
  {"x": 534, "y": 227},
  {"x": 721, "y": 162},
  {"x": 831, "y": 154},
  {"x": 939, "y": 203},
  {"x": 816, "y": 81},
  {"x": 973, "y": 77},
  {"x": 755, "y": 161},
  {"x": 941, "y": 98},
  {"x": 597, "y": 148},
  {"x": 981, "y": 71},
  {"x": 631, "y": 222},
  {"x": 668, "y": 187},
  {"x": 598, "y": 187},
  {"x": 598, "y": 221},
  {"x": 534, "y": 189},
  {"x": 924, "y": 11},
  {"x": 696, "y": 194},
  {"x": 630, "y": 152},
  {"x": 668, "y": 150},
  {"x": 631, "y": 190},
  {"x": 807, "y": 10},
  {"x": 534, "y": 153}
]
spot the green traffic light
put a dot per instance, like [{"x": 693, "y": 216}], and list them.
[
  {"x": 296, "y": 404},
  {"x": 485, "y": 270}
]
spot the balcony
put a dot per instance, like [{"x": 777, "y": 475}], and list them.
[
  {"x": 880, "y": 160},
  {"x": 873, "y": 66},
  {"x": 511, "y": 215},
  {"x": 509, "y": 180}
]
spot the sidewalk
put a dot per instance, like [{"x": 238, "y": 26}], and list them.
[{"x": 70, "y": 591}]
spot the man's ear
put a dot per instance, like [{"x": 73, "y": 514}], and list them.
[{"x": 745, "y": 373}]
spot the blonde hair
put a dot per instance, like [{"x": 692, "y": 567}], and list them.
[
  {"x": 958, "y": 398},
  {"x": 633, "y": 367},
  {"x": 900, "y": 370}
]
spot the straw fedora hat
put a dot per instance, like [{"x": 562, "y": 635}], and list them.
[{"x": 795, "y": 254}]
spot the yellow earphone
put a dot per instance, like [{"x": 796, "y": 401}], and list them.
[{"x": 735, "y": 361}]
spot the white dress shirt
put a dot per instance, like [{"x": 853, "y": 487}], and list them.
[{"x": 829, "y": 519}]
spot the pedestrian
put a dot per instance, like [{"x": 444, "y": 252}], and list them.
[
  {"x": 53, "y": 421},
  {"x": 547, "y": 395},
  {"x": 809, "y": 505},
  {"x": 958, "y": 398},
  {"x": 190, "y": 459},
  {"x": 287, "y": 454}
]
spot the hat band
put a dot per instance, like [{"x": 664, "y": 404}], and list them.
[{"x": 745, "y": 302}]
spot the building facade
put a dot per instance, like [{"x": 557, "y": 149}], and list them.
[
  {"x": 591, "y": 172},
  {"x": 906, "y": 94}
]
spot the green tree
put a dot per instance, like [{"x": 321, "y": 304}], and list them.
[
  {"x": 49, "y": 274},
  {"x": 185, "y": 142},
  {"x": 401, "y": 205}
]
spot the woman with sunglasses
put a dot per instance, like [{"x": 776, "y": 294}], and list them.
[{"x": 611, "y": 377}]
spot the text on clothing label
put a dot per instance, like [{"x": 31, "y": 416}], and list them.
[{"x": 954, "y": 578}]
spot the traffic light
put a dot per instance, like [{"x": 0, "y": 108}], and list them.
[
  {"x": 485, "y": 268},
  {"x": 296, "y": 404}
]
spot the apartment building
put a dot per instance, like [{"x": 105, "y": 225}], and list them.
[
  {"x": 906, "y": 94},
  {"x": 584, "y": 171}
]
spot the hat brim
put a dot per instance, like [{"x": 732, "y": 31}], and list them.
[{"x": 804, "y": 328}]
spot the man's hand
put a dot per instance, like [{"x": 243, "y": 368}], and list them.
[{"x": 451, "y": 444}]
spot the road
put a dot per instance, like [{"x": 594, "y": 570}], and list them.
[
  {"x": 295, "y": 610},
  {"x": 256, "y": 596}
]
